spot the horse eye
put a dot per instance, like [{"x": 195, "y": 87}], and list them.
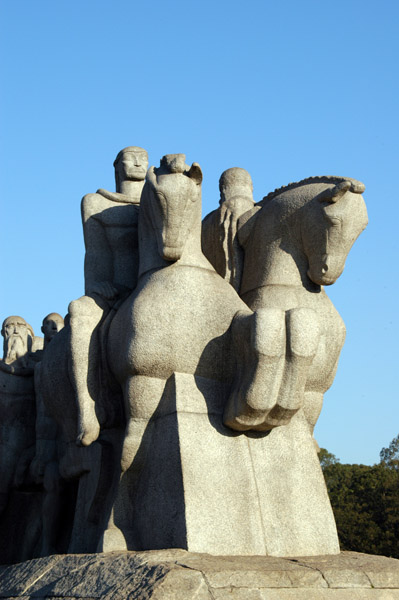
[{"x": 334, "y": 221}]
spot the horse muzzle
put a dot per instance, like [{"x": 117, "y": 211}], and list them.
[{"x": 325, "y": 270}]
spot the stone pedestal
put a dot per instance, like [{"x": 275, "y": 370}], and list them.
[{"x": 178, "y": 574}]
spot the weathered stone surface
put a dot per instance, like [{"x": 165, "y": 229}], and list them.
[
  {"x": 177, "y": 574},
  {"x": 187, "y": 480},
  {"x": 183, "y": 409},
  {"x": 292, "y": 243},
  {"x": 219, "y": 229},
  {"x": 17, "y": 409}
]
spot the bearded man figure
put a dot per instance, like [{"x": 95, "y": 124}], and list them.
[
  {"x": 18, "y": 341},
  {"x": 219, "y": 229},
  {"x": 17, "y": 405}
]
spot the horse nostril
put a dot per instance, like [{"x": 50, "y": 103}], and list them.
[{"x": 324, "y": 269}]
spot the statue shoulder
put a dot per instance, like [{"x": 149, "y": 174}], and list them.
[
  {"x": 92, "y": 204},
  {"x": 246, "y": 223}
]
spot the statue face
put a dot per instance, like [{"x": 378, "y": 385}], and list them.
[
  {"x": 15, "y": 332},
  {"x": 15, "y": 327},
  {"x": 133, "y": 165},
  {"x": 50, "y": 327}
]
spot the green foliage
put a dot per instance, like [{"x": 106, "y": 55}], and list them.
[
  {"x": 365, "y": 501},
  {"x": 327, "y": 459},
  {"x": 390, "y": 456}
]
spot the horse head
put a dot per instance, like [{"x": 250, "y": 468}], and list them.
[
  {"x": 172, "y": 199},
  {"x": 330, "y": 225}
]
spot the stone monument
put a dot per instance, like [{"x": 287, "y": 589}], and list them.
[
  {"x": 17, "y": 439},
  {"x": 45, "y": 465},
  {"x": 174, "y": 411}
]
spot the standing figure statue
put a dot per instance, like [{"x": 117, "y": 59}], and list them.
[
  {"x": 17, "y": 404},
  {"x": 49, "y": 448},
  {"x": 219, "y": 231},
  {"x": 76, "y": 385},
  {"x": 19, "y": 511},
  {"x": 111, "y": 264}
]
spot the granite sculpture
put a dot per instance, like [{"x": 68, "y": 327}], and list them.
[
  {"x": 48, "y": 451},
  {"x": 18, "y": 509},
  {"x": 187, "y": 480},
  {"x": 17, "y": 405},
  {"x": 111, "y": 262},
  {"x": 175, "y": 408},
  {"x": 88, "y": 399},
  {"x": 219, "y": 231},
  {"x": 295, "y": 241}
]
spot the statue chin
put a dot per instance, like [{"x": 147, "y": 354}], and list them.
[{"x": 171, "y": 254}]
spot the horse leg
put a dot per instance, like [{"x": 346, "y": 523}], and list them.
[
  {"x": 85, "y": 315},
  {"x": 142, "y": 396},
  {"x": 259, "y": 342},
  {"x": 303, "y": 335},
  {"x": 312, "y": 408}
]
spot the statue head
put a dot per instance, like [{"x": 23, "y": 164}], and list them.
[
  {"x": 52, "y": 324},
  {"x": 18, "y": 336},
  {"x": 130, "y": 164},
  {"x": 235, "y": 182}
]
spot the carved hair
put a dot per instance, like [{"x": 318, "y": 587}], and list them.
[
  {"x": 356, "y": 186},
  {"x": 127, "y": 150},
  {"x": 174, "y": 163}
]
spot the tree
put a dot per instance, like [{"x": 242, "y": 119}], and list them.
[
  {"x": 390, "y": 456},
  {"x": 327, "y": 459},
  {"x": 365, "y": 502}
]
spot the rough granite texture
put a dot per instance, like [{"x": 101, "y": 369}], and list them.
[
  {"x": 188, "y": 480},
  {"x": 175, "y": 408},
  {"x": 178, "y": 574}
]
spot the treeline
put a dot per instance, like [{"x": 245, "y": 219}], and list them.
[{"x": 365, "y": 501}]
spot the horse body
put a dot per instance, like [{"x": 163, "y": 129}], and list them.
[
  {"x": 295, "y": 242},
  {"x": 165, "y": 304}
]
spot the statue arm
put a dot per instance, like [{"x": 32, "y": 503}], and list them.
[
  {"x": 211, "y": 245},
  {"x": 98, "y": 268}
]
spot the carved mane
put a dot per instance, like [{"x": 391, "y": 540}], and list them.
[{"x": 356, "y": 186}]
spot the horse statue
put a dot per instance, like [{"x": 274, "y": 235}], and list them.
[
  {"x": 295, "y": 242},
  {"x": 181, "y": 346}
]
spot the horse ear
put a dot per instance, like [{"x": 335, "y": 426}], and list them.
[
  {"x": 195, "y": 173},
  {"x": 335, "y": 193}
]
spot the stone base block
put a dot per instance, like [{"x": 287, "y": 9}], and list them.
[{"x": 180, "y": 575}]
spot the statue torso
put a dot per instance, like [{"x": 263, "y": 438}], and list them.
[{"x": 119, "y": 222}]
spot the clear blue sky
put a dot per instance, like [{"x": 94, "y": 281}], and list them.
[{"x": 283, "y": 89}]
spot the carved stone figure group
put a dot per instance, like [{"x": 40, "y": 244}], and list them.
[{"x": 176, "y": 406}]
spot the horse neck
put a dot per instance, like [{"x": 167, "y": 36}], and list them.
[
  {"x": 274, "y": 253},
  {"x": 151, "y": 260}
]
